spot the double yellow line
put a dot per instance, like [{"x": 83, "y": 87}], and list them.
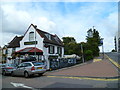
[
  {"x": 88, "y": 78},
  {"x": 115, "y": 63}
]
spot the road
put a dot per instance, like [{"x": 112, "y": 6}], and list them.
[
  {"x": 46, "y": 81},
  {"x": 36, "y": 82},
  {"x": 115, "y": 56}
]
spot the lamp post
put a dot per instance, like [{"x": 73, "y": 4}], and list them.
[
  {"x": 82, "y": 53},
  {"x": 35, "y": 40},
  {"x": 101, "y": 41}
]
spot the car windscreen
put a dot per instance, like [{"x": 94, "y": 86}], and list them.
[
  {"x": 37, "y": 63},
  {"x": 11, "y": 65}
]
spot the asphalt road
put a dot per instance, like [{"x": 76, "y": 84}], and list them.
[
  {"x": 38, "y": 82},
  {"x": 115, "y": 56}
]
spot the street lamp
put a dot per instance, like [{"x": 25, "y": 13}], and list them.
[
  {"x": 101, "y": 42},
  {"x": 82, "y": 53}
]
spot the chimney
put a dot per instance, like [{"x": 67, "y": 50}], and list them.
[{"x": 35, "y": 26}]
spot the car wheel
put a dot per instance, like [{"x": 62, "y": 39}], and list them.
[
  {"x": 26, "y": 75},
  {"x": 4, "y": 73},
  {"x": 12, "y": 74},
  {"x": 40, "y": 74}
]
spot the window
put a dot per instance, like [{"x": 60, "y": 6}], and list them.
[
  {"x": 48, "y": 36},
  {"x": 59, "y": 50},
  {"x": 31, "y": 36},
  {"x": 27, "y": 64},
  {"x": 21, "y": 65},
  {"x": 51, "y": 49},
  {"x": 37, "y": 63},
  {"x": 14, "y": 49}
]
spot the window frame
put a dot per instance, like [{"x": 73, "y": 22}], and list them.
[
  {"x": 59, "y": 50},
  {"x": 51, "y": 47},
  {"x": 31, "y": 36}
]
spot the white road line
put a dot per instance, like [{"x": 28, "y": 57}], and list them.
[{"x": 19, "y": 85}]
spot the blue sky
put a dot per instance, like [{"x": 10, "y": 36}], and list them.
[{"x": 61, "y": 18}]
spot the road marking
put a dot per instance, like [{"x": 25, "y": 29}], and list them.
[
  {"x": 19, "y": 85},
  {"x": 87, "y": 78},
  {"x": 97, "y": 60},
  {"x": 115, "y": 63}
]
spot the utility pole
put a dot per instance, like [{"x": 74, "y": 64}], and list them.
[
  {"x": 102, "y": 47},
  {"x": 35, "y": 41},
  {"x": 93, "y": 27},
  {"x": 82, "y": 53}
]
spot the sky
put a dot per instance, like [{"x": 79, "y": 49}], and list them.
[{"x": 64, "y": 18}]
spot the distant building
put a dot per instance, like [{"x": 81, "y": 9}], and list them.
[
  {"x": 117, "y": 41},
  {"x": 4, "y": 53},
  {"x": 14, "y": 45},
  {"x": 0, "y": 54}
]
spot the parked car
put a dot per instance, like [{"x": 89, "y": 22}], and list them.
[
  {"x": 7, "y": 68},
  {"x": 28, "y": 69},
  {"x": 1, "y": 65}
]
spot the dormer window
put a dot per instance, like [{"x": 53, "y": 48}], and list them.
[
  {"x": 48, "y": 36},
  {"x": 31, "y": 36}
]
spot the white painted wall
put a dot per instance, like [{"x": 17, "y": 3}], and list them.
[
  {"x": 9, "y": 52},
  {"x": 39, "y": 39},
  {"x": 117, "y": 37},
  {"x": 39, "y": 45}
]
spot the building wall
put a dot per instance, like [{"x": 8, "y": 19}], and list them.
[
  {"x": 47, "y": 54},
  {"x": 9, "y": 52},
  {"x": 39, "y": 40},
  {"x": 118, "y": 41},
  {"x": 0, "y": 55},
  {"x": 39, "y": 45}
]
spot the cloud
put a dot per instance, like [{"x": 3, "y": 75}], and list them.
[
  {"x": 59, "y": 0},
  {"x": 63, "y": 19}
]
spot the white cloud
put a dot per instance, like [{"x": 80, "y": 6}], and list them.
[
  {"x": 73, "y": 23},
  {"x": 59, "y": 0}
]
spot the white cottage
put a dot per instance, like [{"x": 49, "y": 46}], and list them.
[{"x": 41, "y": 44}]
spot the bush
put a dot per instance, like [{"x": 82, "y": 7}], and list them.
[{"x": 88, "y": 55}]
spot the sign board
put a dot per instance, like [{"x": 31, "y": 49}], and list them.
[{"x": 30, "y": 43}]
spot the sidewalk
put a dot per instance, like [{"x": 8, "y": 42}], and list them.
[{"x": 97, "y": 68}]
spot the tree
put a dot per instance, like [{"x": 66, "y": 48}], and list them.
[
  {"x": 113, "y": 50},
  {"x": 67, "y": 40},
  {"x": 93, "y": 42},
  {"x": 70, "y": 46}
]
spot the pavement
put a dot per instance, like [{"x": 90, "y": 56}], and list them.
[{"x": 98, "y": 67}]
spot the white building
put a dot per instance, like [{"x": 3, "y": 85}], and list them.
[
  {"x": 35, "y": 42},
  {"x": 117, "y": 42},
  {"x": 14, "y": 45}
]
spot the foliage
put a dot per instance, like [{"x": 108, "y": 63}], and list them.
[
  {"x": 68, "y": 40},
  {"x": 94, "y": 42},
  {"x": 70, "y": 46},
  {"x": 88, "y": 55},
  {"x": 113, "y": 50},
  {"x": 90, "y": 48}
]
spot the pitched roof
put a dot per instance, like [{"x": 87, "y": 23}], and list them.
[
  {"x": 54, "y": 39},
  {"x": 15, "y": 42}
]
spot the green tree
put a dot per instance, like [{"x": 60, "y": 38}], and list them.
[
  {"x": 67, "y": 40},
  {"x": 93, "y": 42},
  {"x": 88, "y": 55},
  {"x": 70, "y": 46}
]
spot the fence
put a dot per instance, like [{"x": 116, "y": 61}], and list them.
[{"x": 63, "y": 62}]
